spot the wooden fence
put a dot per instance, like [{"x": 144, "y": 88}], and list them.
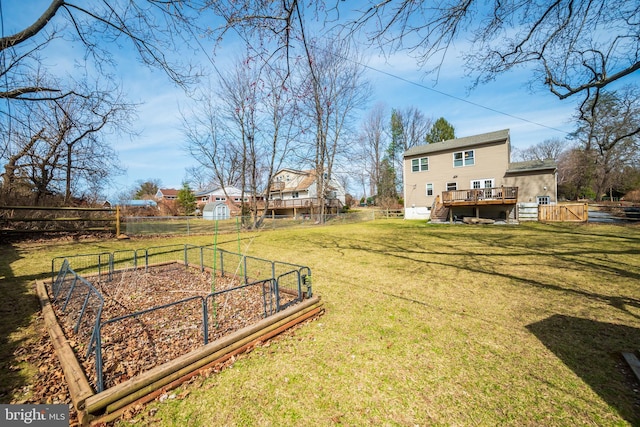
[
  {"x": 577, "y": 212},
  {"x": 41, "y": 219}
]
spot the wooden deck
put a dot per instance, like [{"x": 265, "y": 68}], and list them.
[
  {"x": 481, "y": 196},
  {"x": 300, "y": 203}
]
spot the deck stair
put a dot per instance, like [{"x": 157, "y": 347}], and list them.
[{"x": 439, "y": 213}]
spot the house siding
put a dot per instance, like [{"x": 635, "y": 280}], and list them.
[
  {"x": 302, "y": 182},
  {"x": 491, "y": 152},
  {"x": 490, "y": 162},
  {"x": 533, "y": 184}
]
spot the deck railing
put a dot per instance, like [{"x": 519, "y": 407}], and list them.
[
  {"x": 506, "y": 195},
  {"x": 302, "y": 202}
]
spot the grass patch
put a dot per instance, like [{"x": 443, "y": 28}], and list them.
[{"x": 425, "y": 325}]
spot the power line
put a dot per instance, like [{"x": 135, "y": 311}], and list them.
[{"x": 457, "y": 98}]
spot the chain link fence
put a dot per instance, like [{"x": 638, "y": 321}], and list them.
[{"x": 139, "y": 226}]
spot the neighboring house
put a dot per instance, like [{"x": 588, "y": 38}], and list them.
[
  {"x": 230, "y": 196},
  {"x": 295, "y": 192},
  {"x": 166, "y": 194},
  {"x": 219, "y": 194},
  {"x": 167, "y": 201},
  {"x": 473, "y": 176}
]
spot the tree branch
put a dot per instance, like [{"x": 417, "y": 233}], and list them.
[{"x": 32, "y": 30}]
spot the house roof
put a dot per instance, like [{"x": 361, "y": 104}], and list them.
[
  {"x": 135, "y": 203},
  {"x": 295, "y": 171},
  {"x": 219, "y": 191},
  {"x": 303, "y": 183},
  {"x": 168, "y": 192},
  {"x": 532, "y": 166},
  {"x": 309, "y": 178},
  {"x": 210, "y": 207},
  {"x": 307, "y": 181},
  {"x": 464, "y": 142}
]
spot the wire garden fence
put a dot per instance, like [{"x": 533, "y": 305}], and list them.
[{"x": 131, "y": 310}]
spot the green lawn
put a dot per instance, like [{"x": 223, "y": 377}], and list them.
[{"x": 424, "y": 325}]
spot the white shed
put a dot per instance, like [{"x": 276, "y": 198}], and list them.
[{"x": 217, "y": 210}]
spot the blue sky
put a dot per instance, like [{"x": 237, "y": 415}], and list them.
[
  {"x": 504, "y": 104},
  {"x": 157, "y": 153}
]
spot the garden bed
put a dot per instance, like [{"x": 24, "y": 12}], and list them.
[
  {"x": 166, "y": 340},
  {"x": 137, "y": 344}
]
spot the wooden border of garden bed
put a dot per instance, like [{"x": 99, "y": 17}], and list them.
[{"x": 109, "y": 404}]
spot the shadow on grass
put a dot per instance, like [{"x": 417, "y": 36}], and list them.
[
  {"x": 550, "y": 248},
  {"x": 17, "y": 307},
  {"x": 593, "y": 350}
]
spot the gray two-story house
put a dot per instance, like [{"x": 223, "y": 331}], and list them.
[{"x": 473, "y": 177}]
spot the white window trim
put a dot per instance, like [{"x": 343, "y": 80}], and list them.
[
  {"x": 419, "y": 160},
  {"x": 426, "y": 189},
  {"x": 482, "y": 182},
  {"x": 545, "y": 198},
  {"x": 464, "y": 158}
]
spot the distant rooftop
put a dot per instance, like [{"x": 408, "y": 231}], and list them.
[{"x": 134, "y": 203}]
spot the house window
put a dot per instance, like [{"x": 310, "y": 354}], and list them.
[
  {"x": 452, "y": 186},
  {"x": 543, "y": 200},
  {"x": 295, "y": 195},
  {"x": 429, "y": 189},
  {"x": 220, "y": 199},
  {"x": 463, "y": 158},
  {"x": 481, "y": 183},
  {"x": 420, "y": 165}
]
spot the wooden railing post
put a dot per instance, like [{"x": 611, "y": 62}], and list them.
[
  {"x": 585, "y": 213},
  {"x": 117, "y": 221}
]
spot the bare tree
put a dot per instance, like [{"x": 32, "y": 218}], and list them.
[
  {"x": 96, "y": 30},
  {"x": 207, "y": 142},
  {"x": 242, "y": 132},
  {"x": 415, "y": 126},
  {"x": 409, "y": 128},
  {"x": 281, "y": 127},
  {"x": 575, "y": 45},
  {"x": 151, "y": 27},
  {"x": 336, "y": 90},
  {"x": 83, "y": 125},
  {"x": 545, "y": 150},
  {"x": 240, "y": 94},
  {"x": 61, "y": 147},
  {"x": 609, "y": 128},
  {"x": 373, "y": 140}
]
